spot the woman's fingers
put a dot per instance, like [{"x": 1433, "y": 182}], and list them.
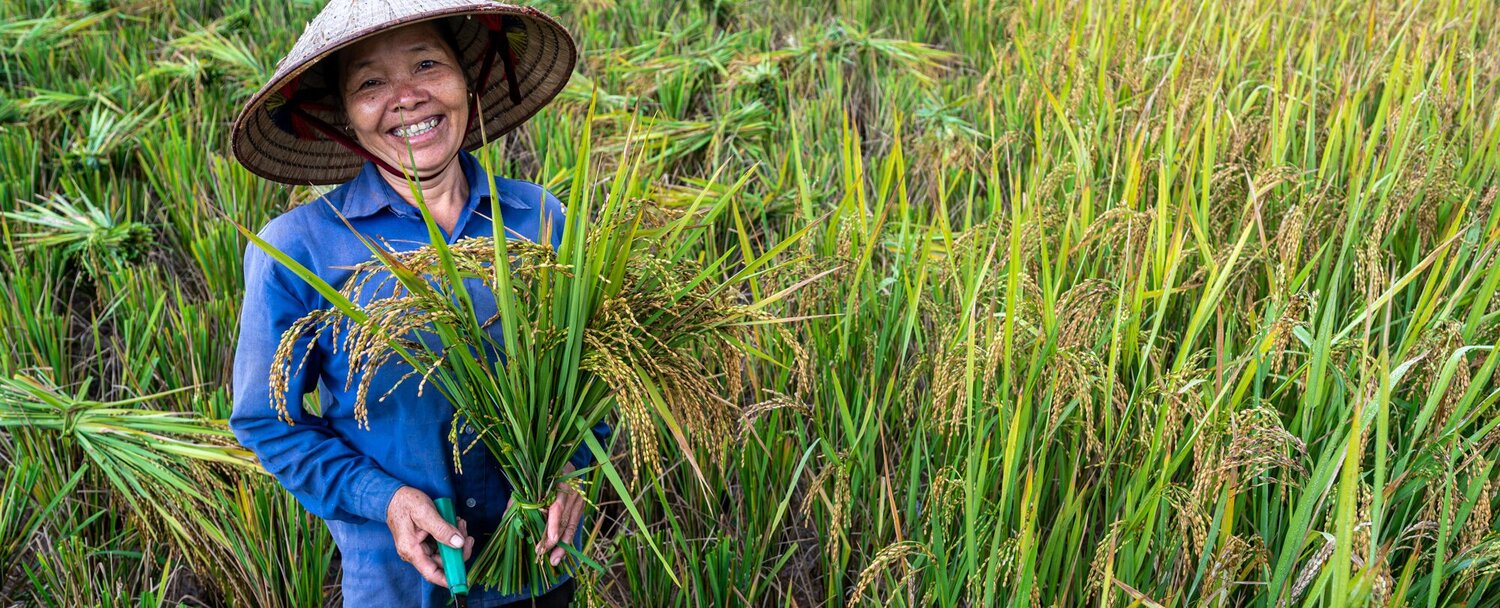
[
  {"x": 429, "y": 563},
  {"x": 555, "y": 514},
  {"x": 569, "y": 527},
  {"x": 437, "y": 556},
  {"x": 574, "y": 515},
  {"x": 562, "y": 520},
  {"x": 463, "y": 528},
  {"x": 415, "y": 525}
]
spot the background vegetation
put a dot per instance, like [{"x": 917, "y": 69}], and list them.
[{"x": 1148, "y": 302}]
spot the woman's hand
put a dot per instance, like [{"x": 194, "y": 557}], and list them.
[
  {"x": 562, "y": 519},
  {"x": 415, "y": 524}
]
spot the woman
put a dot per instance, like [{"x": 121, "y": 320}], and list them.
[{"x": 370, "y": 96}]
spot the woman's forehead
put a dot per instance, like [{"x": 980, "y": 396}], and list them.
[{"x": 398, "y": 41}]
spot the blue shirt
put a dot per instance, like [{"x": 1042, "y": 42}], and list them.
[{"x": 337, "y": 470}]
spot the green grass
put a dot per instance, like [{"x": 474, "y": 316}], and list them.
[{"x": 1117, "y": 303}]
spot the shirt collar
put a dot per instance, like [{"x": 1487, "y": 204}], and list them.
[{"x": 368, "y": 192}]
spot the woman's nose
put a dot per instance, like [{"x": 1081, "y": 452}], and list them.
[{"x": 408, "y": 95}]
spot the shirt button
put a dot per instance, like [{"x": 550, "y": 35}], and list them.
[{"x": 469, "y": 503}]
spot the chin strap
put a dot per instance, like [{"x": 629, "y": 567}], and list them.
[{"x": 340, "y": 138}]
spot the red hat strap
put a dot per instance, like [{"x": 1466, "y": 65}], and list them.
[
  {"x": 508, "y": 57},
  {"x": 303, "y": 123},
  {"x": 344, "y": 140},
  {"x": 484, "y": 76},
  {"x": 498, "y": 44}
]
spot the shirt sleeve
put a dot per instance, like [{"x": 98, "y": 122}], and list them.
[
  {"x": 325, "y": 473},
  {"x": 584, "y": 456}
]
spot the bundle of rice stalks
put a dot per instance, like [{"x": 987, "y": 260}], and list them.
[
  {"x": 617, "y": 317},
  {"x": 162, "y": 465},
  {"x": 81, "y": 231}
]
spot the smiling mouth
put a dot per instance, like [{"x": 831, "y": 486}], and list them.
[{"x": 416, "y": 129}]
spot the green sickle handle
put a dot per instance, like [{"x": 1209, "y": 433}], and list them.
[{"x": 453, "y": 559}]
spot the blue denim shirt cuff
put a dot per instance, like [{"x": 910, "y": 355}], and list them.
[
  {"x": 584, "y": 456},
  {"x": 370, "y": 493}
]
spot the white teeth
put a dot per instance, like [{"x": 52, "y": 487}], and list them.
[{"x": 417, "y": 129}]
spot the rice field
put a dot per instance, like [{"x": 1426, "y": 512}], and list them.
[{"x": 1097, "y": 303}]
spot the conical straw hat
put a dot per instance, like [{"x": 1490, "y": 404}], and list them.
[{"x": 278, "y": 134}]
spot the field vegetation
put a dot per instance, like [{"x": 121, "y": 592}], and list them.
[{"x": 1107, "y": 303}]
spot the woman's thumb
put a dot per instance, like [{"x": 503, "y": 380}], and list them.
[{"x": 433, "y": 523}]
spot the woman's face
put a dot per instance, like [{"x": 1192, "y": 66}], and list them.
[{"x": 405, "y": 87}]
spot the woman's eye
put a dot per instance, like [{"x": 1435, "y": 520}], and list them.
[
  {"x": 425, "y": 63},
  {"x": 368, "y": 83}
]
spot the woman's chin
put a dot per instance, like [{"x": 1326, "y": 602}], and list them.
[{"x": 427, "y": 164}]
